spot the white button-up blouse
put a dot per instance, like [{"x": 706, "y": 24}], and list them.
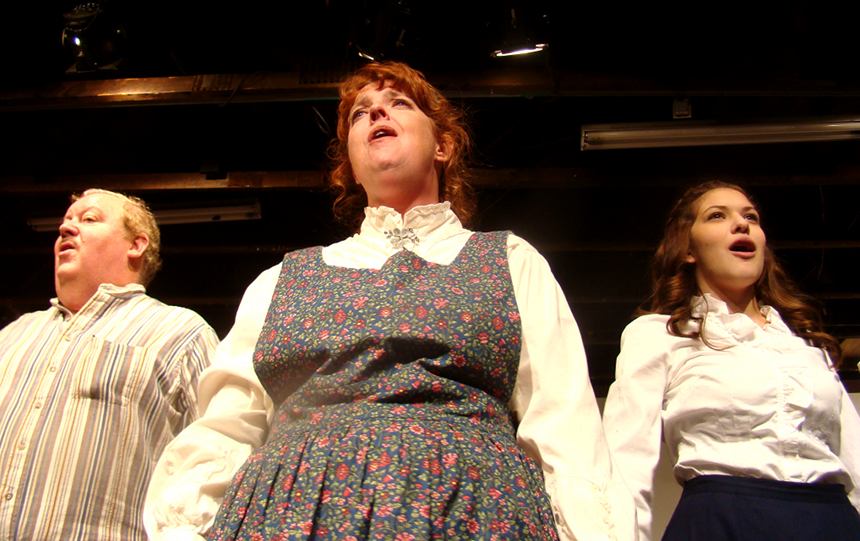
[
  {"x": 559, "y": 421},
  {"x": 759, "y": 402}
]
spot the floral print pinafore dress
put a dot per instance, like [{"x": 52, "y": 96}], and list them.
[{"x": 391, "y": 388}]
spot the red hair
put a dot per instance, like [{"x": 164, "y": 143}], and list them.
[
  {"x": 448, "y": 125},
  {"x": 673, "y": 280}
]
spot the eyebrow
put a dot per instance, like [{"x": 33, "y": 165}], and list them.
[
  {"x": 387, "y": 92},
  {"x": 85, "y": 210},
  {"x": 726, "y": 207}
]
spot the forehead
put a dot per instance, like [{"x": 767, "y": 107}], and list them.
[
  {"x": 387, "y": 88},
  {"x": 724, "y": 197},
  {"x": 105, "y": 202}
]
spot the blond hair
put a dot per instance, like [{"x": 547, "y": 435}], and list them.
[{"x": 138, "y": 220}]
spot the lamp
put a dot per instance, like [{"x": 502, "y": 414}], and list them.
[
  {"x": 686, "y": 134},
  {"x": 250, "y": 211}
]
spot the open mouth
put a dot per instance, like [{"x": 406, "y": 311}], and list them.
[
  {"x": 67, "y": 245},
  {"x": 379, "y": 133},
  {"x": 744, "y": 246}
]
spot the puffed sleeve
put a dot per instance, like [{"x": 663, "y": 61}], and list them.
[
  {"x": 632, "y": 414},
  {"x": 559, "y": 418},
  {"x": 849, "y": 451},
  {"x": 196, "y": 468}
]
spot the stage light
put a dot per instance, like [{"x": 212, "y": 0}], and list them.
[
  {"x": 383, "y": 31},
  {"x": 519, "y": 34},
  {"x": 92, "y": 39}
]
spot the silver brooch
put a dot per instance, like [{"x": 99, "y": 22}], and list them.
[{"x": 399, "y": 237}]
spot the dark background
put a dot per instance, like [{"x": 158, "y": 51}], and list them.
[{"x": 204, "y": 105}]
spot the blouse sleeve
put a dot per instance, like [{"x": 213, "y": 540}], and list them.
[
  {"x": 196, "y": 468},
  {"x": 560, "y": 424},
  {"x": 632, "y": 414},
  {"x": 849, "y": 452}
]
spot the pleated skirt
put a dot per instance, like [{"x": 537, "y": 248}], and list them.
[{"x": 724, "y": 508}]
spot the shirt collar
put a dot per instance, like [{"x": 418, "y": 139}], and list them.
[
  {"x": 733, "y": 327},
  {"x": 102, "y": 294},
  {"x": 409, "y": 229}
]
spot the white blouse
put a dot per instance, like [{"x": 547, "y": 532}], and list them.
[
  {"x": 759, "y": 403},
  {"x": 560, "y": 424}
]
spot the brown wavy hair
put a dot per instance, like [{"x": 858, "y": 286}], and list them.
[
  {"x": 673, "y": 280},
  {"x": 449, "y": 127}
]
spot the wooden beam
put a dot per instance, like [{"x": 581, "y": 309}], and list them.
[{"x": 505, "y": 178}]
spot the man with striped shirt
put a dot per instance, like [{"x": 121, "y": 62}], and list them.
[{"x": 94, "y": 387}]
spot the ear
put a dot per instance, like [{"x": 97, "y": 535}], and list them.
[
  {"x": 138, "y": 246},
  {"x": 690, "y": 259},
  {"x": 443, "y": 149}
]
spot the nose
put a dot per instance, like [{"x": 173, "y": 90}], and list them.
[
  {"x": 741, "y": 225},
  {"x": 378, "y": 111},
  {"x": 67, "y": 227}
]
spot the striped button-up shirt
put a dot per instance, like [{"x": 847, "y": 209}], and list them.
[{"x": 87, "y": 403}]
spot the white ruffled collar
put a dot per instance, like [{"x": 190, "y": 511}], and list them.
[
  {"x": 725, "y": 327},
  {"x": 407, "y": 230}
]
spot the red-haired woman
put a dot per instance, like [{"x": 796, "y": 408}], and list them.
[
  {"x": 730, "y": 366},
  {"x": 415, "y": 381}
]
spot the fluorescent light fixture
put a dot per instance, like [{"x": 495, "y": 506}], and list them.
[
  {"x": 230, "y": 213},
  {"x": 250, "y": 211},
  {"x": 690, "y": 133}
]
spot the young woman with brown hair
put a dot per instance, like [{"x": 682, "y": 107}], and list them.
[{"x": 729, "y": 365}]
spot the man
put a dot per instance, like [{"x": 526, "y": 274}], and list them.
[{"x": 94, "y": 387}]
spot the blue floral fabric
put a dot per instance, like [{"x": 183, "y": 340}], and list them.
[{"x": 392, "y": 421}]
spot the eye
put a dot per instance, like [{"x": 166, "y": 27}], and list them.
[
  {"x": 357, "y": 114},
  {"x": 401, "y": 102},
  {"x": 752, "y": 217},
  {"x": 715, "y": 215},
  {"x": 89, "y": 218}
]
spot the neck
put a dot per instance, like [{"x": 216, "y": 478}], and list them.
[
  {"x": 74, "y": 294},
  {"x": 403, "y": 207},
  {"x": 73, "y": 298},
  {"x": 742, "y": 302}
]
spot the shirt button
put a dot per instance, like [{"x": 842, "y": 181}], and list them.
[
  {"x": 22, "y": 445},
  {"x": 37, "y": 405},
  {"x": 8, "y": 496},
  {"x": 52, "y": 369}
]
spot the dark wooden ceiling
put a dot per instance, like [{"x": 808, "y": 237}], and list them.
[{"x": 212, "y": 106}]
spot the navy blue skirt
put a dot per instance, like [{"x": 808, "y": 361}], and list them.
[{"x": 724, "y": 508}]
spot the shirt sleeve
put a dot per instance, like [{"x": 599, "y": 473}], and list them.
[
  {"x": 632, "y": 414},
  {"x": 560, "y": 423},
  {"x": 849, "y": 453},
  {"x": 196, "y": 356},
  {"x": 196, "y": 468}
]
